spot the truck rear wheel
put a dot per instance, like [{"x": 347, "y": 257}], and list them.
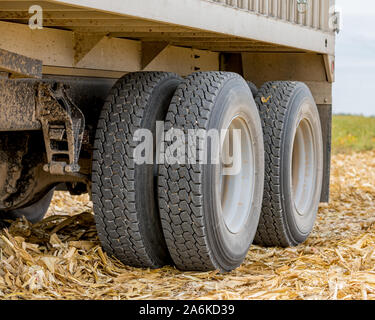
[
  {"x": 209, "y": 217},
  {"x": 34, "y": 213},
  {"x": 293, "y": 163},
  {"x": 123, "y": 192}
]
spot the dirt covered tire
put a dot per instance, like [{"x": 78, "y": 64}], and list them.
[
  {"x": 205, "y": 227},
  {"x": 33, "y": 213},
  {"x": 123, "y": 192},
  {"x": 293, "y": 163}
]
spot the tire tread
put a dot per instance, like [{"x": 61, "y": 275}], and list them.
[
  {"x": 273, "y": 101},
  {"x": 113, "y": 172},
  {"x": 181, "y": 186}
]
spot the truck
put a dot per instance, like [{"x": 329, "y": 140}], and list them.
[{"x": 85, "y": 85}]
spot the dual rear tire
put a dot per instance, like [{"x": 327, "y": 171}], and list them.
[
  {"x": 148, "y": 215},
  {"x": 196, "y": 214}
]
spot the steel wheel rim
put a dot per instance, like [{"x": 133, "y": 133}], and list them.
[
  {"x": 236, "y": 191},
  {"x": 303, "y": 168}
]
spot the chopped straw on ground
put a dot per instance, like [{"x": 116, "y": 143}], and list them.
[{"x": 60, "y": 258}]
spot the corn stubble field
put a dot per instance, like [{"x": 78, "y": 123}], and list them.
[{"x": 60, "y": 258}]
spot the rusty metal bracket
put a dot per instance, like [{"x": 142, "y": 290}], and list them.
[
  {"x": 19, "y": 66},
  {"x": 63, "y": 126}
]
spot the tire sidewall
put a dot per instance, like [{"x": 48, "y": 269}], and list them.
[
  {"x": 35, "y": 212},
  {"x": 230, "y": 249},
  {"x": 146, "y": 174},
  {"x": 301, "y": 107}
]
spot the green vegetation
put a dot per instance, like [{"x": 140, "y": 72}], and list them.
[{"x": 353, "y": 133}]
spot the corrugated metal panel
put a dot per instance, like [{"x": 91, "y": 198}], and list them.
[
  {"x": 313, "y": 14},
  {"x": 256, "y": 26}
]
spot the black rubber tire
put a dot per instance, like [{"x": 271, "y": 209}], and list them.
[
  {"x": 253, "y": 88},
  {"x": 195, "y": 232},
  {"x": 282, "y": 107},
  {"x": 124, "y": 193},
  {"x": 34, "y": 213}
]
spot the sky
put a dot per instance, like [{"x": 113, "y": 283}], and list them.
[{"x": 354, "y": 89}]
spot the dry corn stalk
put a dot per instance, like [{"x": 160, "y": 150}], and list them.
[{"x": 60, "y": 258}]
